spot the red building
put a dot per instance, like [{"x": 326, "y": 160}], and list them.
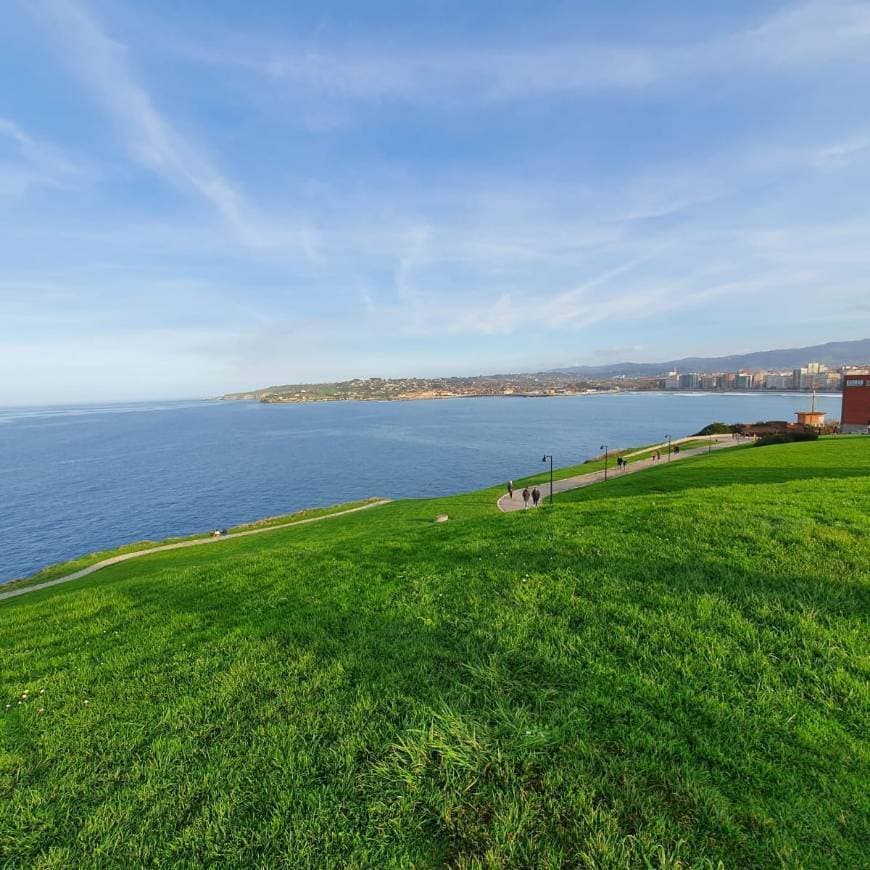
[{"x": 855, "y": 417}]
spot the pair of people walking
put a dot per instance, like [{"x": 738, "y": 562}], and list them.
[{"x": 534, "y": 494}]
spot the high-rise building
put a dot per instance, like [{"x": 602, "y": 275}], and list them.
[
  {"x": 799, "y": 378},
  {"x": 831, "y": 381},
  {"x": 778, "y": 381},
  {"x": 812, "y": 376},
  {"x": 709, "y": 382}
]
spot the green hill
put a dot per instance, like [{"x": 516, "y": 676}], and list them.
[{"x": 670, "y": 669}]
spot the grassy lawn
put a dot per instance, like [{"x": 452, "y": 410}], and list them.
[
  {"x": 61, "y": 569},
  {"x": 669, "y": 670}
]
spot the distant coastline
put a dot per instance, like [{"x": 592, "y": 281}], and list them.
[
  {"x": 410, "y": 389},
  {"x": 818, "y": 368},
  {"x": 286, "y": 400},
  {"x": 270, "y": 400}
]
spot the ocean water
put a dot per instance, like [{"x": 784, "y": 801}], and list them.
[{"x": 84, "y": 478}]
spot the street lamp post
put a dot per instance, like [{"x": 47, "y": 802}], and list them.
[
  {"x": 604, "y": 448},
  {"x": 669, "y": 447},
  {"x": 549, "y": 457}
]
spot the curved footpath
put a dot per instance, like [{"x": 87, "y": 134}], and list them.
[
  {"x": 124, "y": 557},
  {"x": 506, "y": 504}
]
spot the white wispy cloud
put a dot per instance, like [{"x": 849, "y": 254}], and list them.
[
  {"x": 37, "y": 163},
  {"x": 797, "y": 34},
  {"x": 104, "y": 66},
  {"x": 39, "y": 154},
  {"x": 807, "y": 32},
  {"x": 640, "y": 299},
  {"x": 493, "y": 74}
]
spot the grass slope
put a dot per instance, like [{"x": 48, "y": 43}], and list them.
[
  {"x": 667, "y": 670},
  {"x": 62, "y": 569}
]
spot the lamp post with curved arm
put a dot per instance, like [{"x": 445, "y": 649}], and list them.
[
  {"x": 606, "y": 454},
  {"x": 548, "y": 457}
]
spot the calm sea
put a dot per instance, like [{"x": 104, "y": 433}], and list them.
[{"x": 78, "y": 479}]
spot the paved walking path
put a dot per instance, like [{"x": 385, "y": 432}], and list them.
[
  {"x": 124, "y": 557},
  {"x": 506, "y": 504}
]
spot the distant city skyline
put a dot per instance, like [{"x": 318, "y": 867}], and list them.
[
  {"x": 201, "y": 199},
  {"x": 812, "y": 376}
]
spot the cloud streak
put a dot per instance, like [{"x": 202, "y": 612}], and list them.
[
  {"x": 39, "y": 164},
  {"x": 797, "y": 35},
  {"x": 103, "y": 65}
]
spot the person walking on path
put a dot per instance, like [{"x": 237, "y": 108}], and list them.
[
  {"x": 526, "y": 498},
  {"x": 536, "y": 496},
  {"x": 510, "y": 489}
]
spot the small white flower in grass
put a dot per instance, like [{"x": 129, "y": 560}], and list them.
[
  {"x": 86, "y": 703},
  {"x": 41, "y": 710}
]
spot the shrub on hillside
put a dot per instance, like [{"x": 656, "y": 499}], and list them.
[
  {"x": 788, "y": 437},
  {"x": 716, "y": 429}
]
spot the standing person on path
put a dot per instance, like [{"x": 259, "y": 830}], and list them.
[
  {"x": 510, "y": 489},
  {"x": 536, "y": 496},
  {"x": 526, "y": 498}
]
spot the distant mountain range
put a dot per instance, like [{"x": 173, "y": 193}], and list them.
[{"x": 834, "y": 353}]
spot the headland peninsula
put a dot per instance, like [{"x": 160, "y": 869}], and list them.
[{"x": 407, "y": 389}]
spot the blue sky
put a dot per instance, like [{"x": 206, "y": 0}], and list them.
[{"x": 202, "y": 197}]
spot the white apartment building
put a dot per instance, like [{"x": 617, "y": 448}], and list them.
[{"x": 779, "y": 381}]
